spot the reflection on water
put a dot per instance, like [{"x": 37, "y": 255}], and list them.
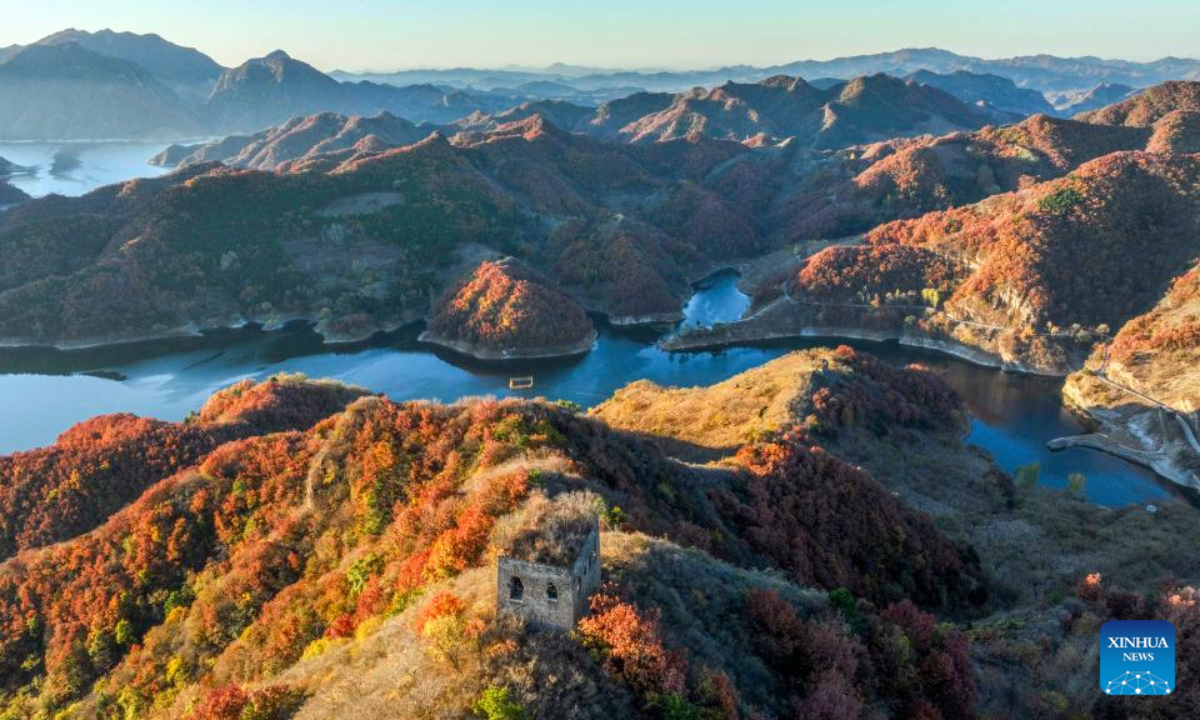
[
  {"x": 42, "y": 392},
  {"x": 718, "y": 300},
  {"x": 77, "y": 168}
]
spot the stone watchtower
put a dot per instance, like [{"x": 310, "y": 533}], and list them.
[{"x": 550, "y": 588}]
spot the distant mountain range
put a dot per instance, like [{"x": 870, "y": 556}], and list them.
[
  {"x": 863, "y": 110},
  {"x": 1041, "y": 72},
  {"x": 65, "y": 91},
  {"x": 96, "y": 86},
  {"x": 78, "y": 85}
]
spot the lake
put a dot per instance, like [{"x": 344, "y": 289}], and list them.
[
  {"x": 43, "y": 392},
  {"x": 77, "y": 168}
]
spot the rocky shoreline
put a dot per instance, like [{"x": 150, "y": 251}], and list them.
[
  {"x": 781, "y": 320},
  {"x": 667, "y": 318},
  {"x": 196, "y": 329},
  {"x": 1134, "y": 431}
]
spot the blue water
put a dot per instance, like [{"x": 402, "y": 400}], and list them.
[
  {"x": 43, "y": 392},
  {"x": 717, "y": 300},
  {"x": 74, "y": 169}
]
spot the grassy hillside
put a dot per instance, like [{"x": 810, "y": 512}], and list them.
[
  {"x": 296, "y": 571},
  {"x": 1058, "y": 565}
]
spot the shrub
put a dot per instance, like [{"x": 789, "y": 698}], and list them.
[
  {"x": 1061, "y": 201},
  {"x": 632, "y": 647},
  {"x": 443, "y": 604},
  {"x": 496, "y": 703}
]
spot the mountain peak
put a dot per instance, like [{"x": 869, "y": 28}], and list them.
[{"x": 185, "y": 70}]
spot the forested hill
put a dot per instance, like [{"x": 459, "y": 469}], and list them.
[{"x": 250, "y": 558}]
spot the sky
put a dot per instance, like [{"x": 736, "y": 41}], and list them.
[{"x": 381, "y": 35}]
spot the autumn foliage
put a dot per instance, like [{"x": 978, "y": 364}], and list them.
[
  {"x": 279, "y": 545},
  {"x": 829, "y": 524},
  {"x": 859, "y": 274},
  {"x": 630, "y": 642},
  {"x": 504, "y": 306},
  {"x": 1025, "y": 248}
]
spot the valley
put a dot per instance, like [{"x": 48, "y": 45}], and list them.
[
  {"x": 1013, "y": 415},
  {"x": 863, "y": 388}
]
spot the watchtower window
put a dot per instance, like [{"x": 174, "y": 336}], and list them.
[
  {"x": 551, "y": 593},
  {"x": 516, "y": 588}
]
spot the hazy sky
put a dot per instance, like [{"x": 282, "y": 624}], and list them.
[{"x": 395, "y": 34}]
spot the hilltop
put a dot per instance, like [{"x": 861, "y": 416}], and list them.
[
  {"x": 272, "y": 89},
  {"x": 1094, "y": 98},
  {"x": 999, "y": 95},
  {"x": 187, "y": 71},
  {"x": 864, "y": 109},
  {"x": 1149, "y": 106},
  {"x": 505, "y": 310},
  {"x": 1059, "y": 565},
  {"x": 901, "y": 179},
  {"x": 300, "y": 138}
]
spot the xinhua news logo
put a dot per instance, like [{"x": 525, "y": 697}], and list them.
[{"x": 1137, "y": 657}]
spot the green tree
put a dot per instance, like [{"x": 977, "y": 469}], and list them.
[
  {"x": 496, "y": 703},
  {"x": 675, "y": 707},
  {"x": 124, "y": 633},
  {"x": 1061, "y": 201}
]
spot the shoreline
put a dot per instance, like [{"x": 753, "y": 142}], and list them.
[
  {"x": 967, "y": 353},
  {"x": 1159, "y": 457},
  {"x": 197, "y": 330},
  {"x": 1155, "y": 461},
  {"x": 667, "y": 318},
  {"x": 540, "y": 353}
]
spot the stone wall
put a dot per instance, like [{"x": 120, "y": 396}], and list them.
[{"x": 546, "y": 595}]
